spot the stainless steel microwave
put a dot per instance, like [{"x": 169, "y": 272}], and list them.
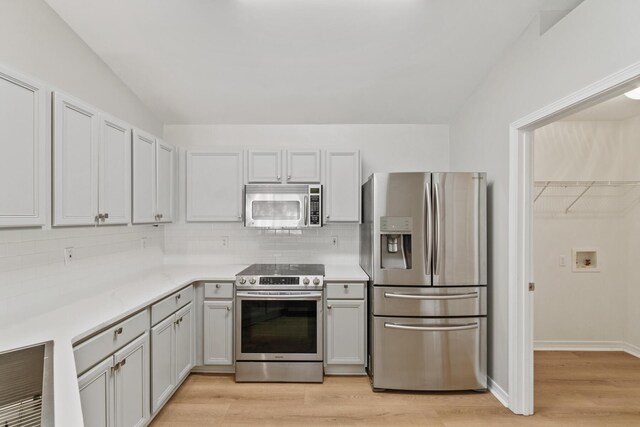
[{"x": 283, "y": 206}]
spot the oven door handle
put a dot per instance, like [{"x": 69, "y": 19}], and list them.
[{"x": 305, "y": 296}]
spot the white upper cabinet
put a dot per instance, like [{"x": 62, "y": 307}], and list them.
[
  {"x": 303, "y": 166},
  {"x": 294, "y": 167},
  {"x": 214, "y": 185},
  {"x": 22, "y": 144},
  {"x": 264, "y": 166},
  {"x": 75, "y": 162},
  {"x": 153, "y": 179},
  {"x": 144, "y": 178},
  {"x": 165, "y": 159},
  {"x": 91, "y": 166},
  {"x": 342, "y": 186},
  {"x": 114, "y": 190}
]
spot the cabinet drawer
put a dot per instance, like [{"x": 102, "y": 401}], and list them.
[
  {"x": 108, "y": 342},
  {"x": 345, "y": 291},
  {"x": 171, "y": 304},
  {"x": 218, "y": 290}
]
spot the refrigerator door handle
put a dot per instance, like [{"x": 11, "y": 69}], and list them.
[
  {"x": 464, "y": 327},
  {"x": 469, "y": 295},
  {"x": 428, "y": 230},
  {"x": 436, "y": 245}
]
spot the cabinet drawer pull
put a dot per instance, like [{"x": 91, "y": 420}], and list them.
[
  {"x": 346, "y": 286},
  {"x": 329, "y": 307},
  {"x": 178, "y": 297},
  {"x": 117, "y": 331},
  {"x": 124, "y": 362},
  {"x": 217, "y": 285},
  {"x": 228, "y": 308}
]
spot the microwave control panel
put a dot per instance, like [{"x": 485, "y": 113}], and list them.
[{"x": 315, "y": 205}]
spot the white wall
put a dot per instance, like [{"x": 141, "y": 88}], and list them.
[
  {"x": 34, "y": 41},
  {"x": 383, "y": 148},
  {"x": 595, "y": 40},
  {"x": 579, "y": 306}
]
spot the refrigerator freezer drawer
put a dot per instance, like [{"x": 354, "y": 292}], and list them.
[
  {"x": 429, "y": 301},
  {"x": 429, "y": 354}
]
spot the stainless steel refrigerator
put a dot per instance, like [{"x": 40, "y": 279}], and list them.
[{"x": 423, "y": 244}]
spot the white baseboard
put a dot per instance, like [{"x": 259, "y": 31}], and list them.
[
  {"x": 498, "y": 392},
  {"x": 632, "y": 349},
  {"x": 587, "y": 346}
]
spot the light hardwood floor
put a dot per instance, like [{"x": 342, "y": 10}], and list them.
[{"x": 572, "y": 388}]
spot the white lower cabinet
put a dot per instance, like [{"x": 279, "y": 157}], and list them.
[
  {"x": 172, "y": 354},
  {"x": 218, "y": 332},
  {"x": 346, "y": 328},
  {"x": 346, "y": 332},
  {"x": 96, "y": 395},
  {"x": 185, "y": 342},
  {"x": 163, "y": 362},
  {"x": 132, "y": 383},
  {"x": 115, "y": 393}
]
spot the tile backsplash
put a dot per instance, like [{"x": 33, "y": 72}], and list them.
[
  {"x": 234, "y": 244},
  {"x": 32, "y": 260}
]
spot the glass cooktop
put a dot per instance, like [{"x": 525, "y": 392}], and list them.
[{"x": 283, "y": 270}]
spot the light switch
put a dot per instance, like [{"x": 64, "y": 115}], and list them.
[{"x": 562, "y": 261}]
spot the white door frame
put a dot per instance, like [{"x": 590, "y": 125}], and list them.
[{"x": 520, "y": 226}]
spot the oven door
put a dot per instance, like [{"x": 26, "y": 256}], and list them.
[
  {"x": 278, "y": 325},
  {"x": 283, "y": 207}
]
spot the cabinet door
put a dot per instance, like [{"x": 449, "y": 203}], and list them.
[
  {"x": 185, "y": 342},
  {"x": 345, "y": 332},
  {"x": 214, "y": 186},
  {"x": 144, "y": 178},
  {"x": 75, "y": 162},
  {"x": 22, "y": 144},
  {"x": 342, "y": 186},
  {"x": 303, "y": 166},
  {"x": 218, "y": 332},
  {"x": 163, "y": 364},
  {"x": 96, "y": 395},
  {"x": 165, "y": 155},
  {"x": 114, "y": 189},
  {"x": 265, "y": 166},
  {"x": 132, "y": 384}
]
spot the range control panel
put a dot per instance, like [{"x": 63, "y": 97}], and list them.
[{"x": 315, "y": 205}]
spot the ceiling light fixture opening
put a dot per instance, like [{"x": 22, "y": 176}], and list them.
[{"x": 633, "y": 94}]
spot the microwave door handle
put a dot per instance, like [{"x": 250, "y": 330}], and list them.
[{"x": 306, "y": 202}]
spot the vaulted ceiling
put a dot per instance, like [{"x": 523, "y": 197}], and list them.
[{"x": 300, "y": 61}]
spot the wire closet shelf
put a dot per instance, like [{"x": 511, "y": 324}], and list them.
[{"x": 588, "y": 198}]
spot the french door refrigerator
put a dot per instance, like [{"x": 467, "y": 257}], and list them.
[{"x": 423, "y": 244}]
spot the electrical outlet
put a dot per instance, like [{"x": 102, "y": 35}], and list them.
[
  {"x": 68, "y": 255},
  {"x": 334, "y": 241},
  {"x": 224, "y": 240},
  {"x": 143, "y": 243}
]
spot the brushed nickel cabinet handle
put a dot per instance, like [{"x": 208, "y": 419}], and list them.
[
  {"x": 118, "y": 331},
  {"x": 217, "y": 285},
  {"x": 329, "y": 307},
  {"x": 228, "y": 308}
]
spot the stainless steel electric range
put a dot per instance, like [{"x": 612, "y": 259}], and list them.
[{"x": 279, "y": 323}]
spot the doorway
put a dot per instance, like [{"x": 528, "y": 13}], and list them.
[
  {"x": 586, "y": 216},
  {"x": 521, "y": 196}
]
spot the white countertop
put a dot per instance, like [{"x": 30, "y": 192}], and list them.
[{"x": 76, "y": 320}]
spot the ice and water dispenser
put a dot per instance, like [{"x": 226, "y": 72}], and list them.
[{"x": 395, "y": 242}]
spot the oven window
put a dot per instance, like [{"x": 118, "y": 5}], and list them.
[
  {"x": 270, "y": 209},
  {"x": 279, "y": 327}
]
